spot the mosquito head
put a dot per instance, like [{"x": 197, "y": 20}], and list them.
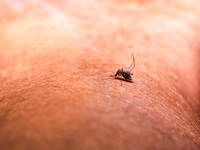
[{"x": 119, "y": 72}]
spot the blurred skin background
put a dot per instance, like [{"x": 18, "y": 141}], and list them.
[{"x": 56, "y": 58}]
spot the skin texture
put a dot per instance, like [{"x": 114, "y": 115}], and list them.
[{"x": 56, "y": 58}]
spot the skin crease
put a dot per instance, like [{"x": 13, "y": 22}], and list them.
[{"x": 56, "y": 58}]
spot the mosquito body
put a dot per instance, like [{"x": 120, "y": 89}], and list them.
[{"x": 126, "y": 74}]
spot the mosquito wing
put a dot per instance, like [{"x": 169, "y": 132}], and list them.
[{"x": 127, "y": 72}]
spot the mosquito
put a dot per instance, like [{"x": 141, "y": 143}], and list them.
[{"x": 126, "y": 74}]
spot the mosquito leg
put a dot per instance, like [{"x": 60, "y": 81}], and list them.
[{"x": 133, "y": 61}]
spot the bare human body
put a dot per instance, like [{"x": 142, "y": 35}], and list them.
[{"x": 55, "y": 60}]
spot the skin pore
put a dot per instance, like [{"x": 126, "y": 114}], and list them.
[{"x": 56, "y": 58}]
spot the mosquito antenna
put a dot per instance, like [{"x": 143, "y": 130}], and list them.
[{"x": 133, "y": 63}]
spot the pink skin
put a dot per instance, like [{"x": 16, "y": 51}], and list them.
[{"x": 56, "y": 58}]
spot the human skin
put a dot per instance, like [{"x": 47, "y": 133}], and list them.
[{"x": 57, "y": 61}]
